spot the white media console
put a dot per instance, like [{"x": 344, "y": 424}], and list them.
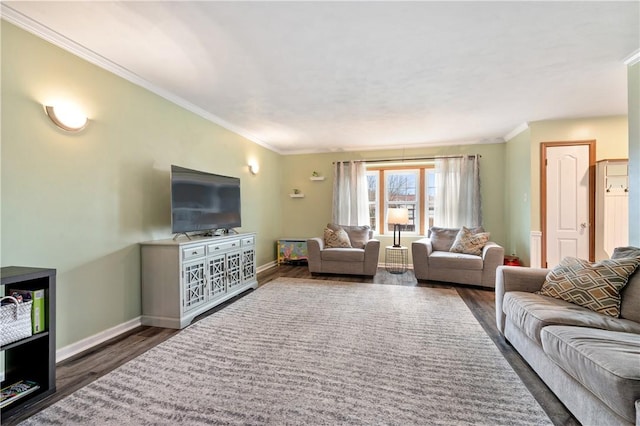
[{"x": 183, "y": 278}]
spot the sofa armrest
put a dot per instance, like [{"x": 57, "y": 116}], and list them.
[
  {"x": 420, "y": 251},
  {"x": 314, "y": 260},
  {"x": 371, "y": 255},
  {"x": 515, "y": 278},
  {"x": 492, "y": 257}
]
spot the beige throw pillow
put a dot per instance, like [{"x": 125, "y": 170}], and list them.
[
  {"x": 336, "y": 239},
  {"x": 442, "y": 238},
  {"x": 468, "y": 242},
  {"x": 594, "y": 286}
]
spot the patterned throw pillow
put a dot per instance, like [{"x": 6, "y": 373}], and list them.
[
  {"x": 336, "y": 239},
  {"x": 468, "y": 242},
  {"x": 594, "y": 286}
]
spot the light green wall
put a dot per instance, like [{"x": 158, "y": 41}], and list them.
[
  {"x": 634, "y": 153},
  {"x": 307, "y": 217},
  {"x": 523, "y": 168},
  {"x": 81, "y": 203},
  {"x": 610, "y": 134},
  {"x": 518, "y": 196}
]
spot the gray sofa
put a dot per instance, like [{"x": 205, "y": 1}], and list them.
[
  {"x": 433, "y": 261},
  {"x": 359, "y": 260},
  {"x": 589, "y": 360}
]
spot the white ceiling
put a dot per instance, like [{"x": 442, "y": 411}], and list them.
[{"x": 327, "y": 76}]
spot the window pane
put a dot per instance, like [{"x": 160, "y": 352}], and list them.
[
  {"x": 430, "y": 178},
  {"x": 402, "y": 192},
  {"x": 372, "y": 183}
]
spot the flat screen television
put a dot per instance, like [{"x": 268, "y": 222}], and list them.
[{"x": 203, "y": 201}]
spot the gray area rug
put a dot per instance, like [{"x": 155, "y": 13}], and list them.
[{"x": 315, "y": 352}]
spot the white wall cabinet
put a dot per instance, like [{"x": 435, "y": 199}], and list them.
[
  {"x": 182, "y": 279},
  {"x": 612, "y": 207}
]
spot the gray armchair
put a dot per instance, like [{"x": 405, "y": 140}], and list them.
[
  {"x": 433, "y": 261},
  {"x": 360, "y": 259}
]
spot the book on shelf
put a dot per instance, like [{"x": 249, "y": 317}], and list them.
[
  {"x": 16, "y": 391},
  {"x": 37, "y": 309}
]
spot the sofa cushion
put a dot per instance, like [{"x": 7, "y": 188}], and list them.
[
  {"x": 622, "y": 252},
  {"x": 630, "y": 294},
  {"x": 595, "y": 286},
  {"x": 343, "y": 254},
  {"x": 469, "y": 242},
  {"x": 448, "y": 260},
  {"x": 531, "y": 312},
  {"x": 605, "y": 362},
  {"x": 336, "y": 239},
  {"x": 358, "y": 235}
]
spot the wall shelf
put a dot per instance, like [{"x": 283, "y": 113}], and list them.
[
  {"x": 316, "y": 178},
  {"x": 296, "y": 195}
]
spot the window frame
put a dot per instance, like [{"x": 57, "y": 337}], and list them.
[{"x": 422, "y": 218}]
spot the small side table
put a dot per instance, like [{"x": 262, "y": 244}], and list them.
[{"x": 396, "y": 259}]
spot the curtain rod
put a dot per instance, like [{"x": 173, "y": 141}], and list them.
[{"x": 388, "y": 160}]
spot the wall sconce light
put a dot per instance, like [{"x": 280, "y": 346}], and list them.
[
  {"x": 67, "y": 117},
  {"x": 254, "y": 168}
]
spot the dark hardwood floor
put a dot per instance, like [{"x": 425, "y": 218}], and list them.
[{"x": 78, "y": 371}]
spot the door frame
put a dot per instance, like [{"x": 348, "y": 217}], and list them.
[{"x": 543, "y": 193}]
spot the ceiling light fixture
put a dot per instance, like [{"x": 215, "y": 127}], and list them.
[{"x": 67, "y": 117}]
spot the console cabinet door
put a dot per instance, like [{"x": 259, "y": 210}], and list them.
[
  {"x": 234, "y": 278},
  {"x": 194, "y": 284},
  {"x": 248, "y": 265},
  {"x": 216, "y": 275}
]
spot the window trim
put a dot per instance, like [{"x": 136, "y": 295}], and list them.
[{"x": 421, "y": 204}]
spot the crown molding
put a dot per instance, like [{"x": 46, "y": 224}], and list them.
[
  {"x": 515, "y": 132},
  {"x": 390, "y": 147},
  {"x": 633, "y": 58},
  {"x": 13, "y": 16}
]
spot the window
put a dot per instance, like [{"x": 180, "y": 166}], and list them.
[
  {"x": 372, "y": 183},
  {"x": 401, "y": 191},
  {"x": 411, "y": 188}
]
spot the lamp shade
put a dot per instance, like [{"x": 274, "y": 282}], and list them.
[{"x": 398, "y": 216}]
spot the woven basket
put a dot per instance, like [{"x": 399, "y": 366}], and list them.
[{"x": 15, "y": 320}]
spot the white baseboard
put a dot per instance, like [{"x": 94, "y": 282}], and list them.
[
  {"x": 96, "y": 339},
  {"x": 266, "y": 266}
]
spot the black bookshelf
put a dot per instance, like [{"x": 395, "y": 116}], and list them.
[{"x": 32, "y": 358}]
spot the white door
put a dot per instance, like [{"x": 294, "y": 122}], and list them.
[{"x": 567, "y": 202}]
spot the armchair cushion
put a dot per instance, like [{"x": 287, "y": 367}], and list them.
[
  {"x": 448, "y": 260},
  {"x": 343, "y": 254}
]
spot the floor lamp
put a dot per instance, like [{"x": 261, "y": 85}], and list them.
[{"x": 397, "y": 217}]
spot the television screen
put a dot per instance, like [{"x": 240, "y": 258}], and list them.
[{"x": 203, "y": 201}]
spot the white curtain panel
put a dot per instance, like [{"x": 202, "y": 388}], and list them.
[
  {"x": 457, "y": 200},
  {"x": 350, "y": 198}
]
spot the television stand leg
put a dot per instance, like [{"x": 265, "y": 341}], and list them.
[{"x": 181, "y": 233}]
